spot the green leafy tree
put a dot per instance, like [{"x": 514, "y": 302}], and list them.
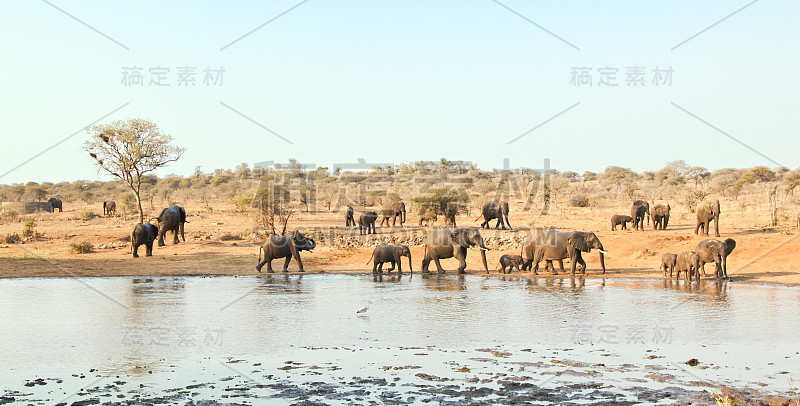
[{"x": 129, "y": 150}]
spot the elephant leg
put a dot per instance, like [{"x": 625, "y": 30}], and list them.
[
  {"x": 175, "y": 236},
  {"x": 392, "y": 267},
  {"x": 560, "y": 265},
  {"x": 268, "y": 260},
  {"x": 725, "y": 267},
  {"x": 380, "y": 267},
  {"x": 438, "y": 265},
  {"x": 425, "y": 262},
  {"x": 161, "y": 237},
  {"x": 462, "y": 259},
  {"x": 286, "y": 264},
  {"x": 375, "y": 266},
  {"x": 573, "y": 263},
  {"x": 135, "y": 250},
  {"x": 703, "y": 267},
  {"x": 582, "y": 264},
  {"x": 149, "y": 251}
]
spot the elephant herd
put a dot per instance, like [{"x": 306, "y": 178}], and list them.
[
  {"x": 692, "y": 262},
  {"x": 171, "y": 219},
  {"x": 706, "y": 212},
  {"x": 367, "y": 219}
]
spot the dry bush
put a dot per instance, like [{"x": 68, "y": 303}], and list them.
[
  {"x": 578, "y": 201},
  {"x": 83, "y": 247}
]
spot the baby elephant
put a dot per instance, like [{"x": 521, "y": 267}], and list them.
[
  {"x": 668, "y": 262},
  {"x": 391, "y": 253},
  {"x": 689, "y": 262},
  {"x": 510, "y": 261},
  {"x": 143, "y": 233},
  {"x": 619, "y": 219}
]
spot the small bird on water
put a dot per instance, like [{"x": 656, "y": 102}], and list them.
[{"x": 363, "y": 309}]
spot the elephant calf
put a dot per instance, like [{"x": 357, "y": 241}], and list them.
[
  {"x": 620, "y": 220},
  {"x": 284, "y": 246},
  {"x": 688, "y": 262},
  {"x": 668, "y": 262},
  {"x": 391, "y": 253},
  {"x": 366, "y": 222},
  {"x": 509, "y": 262},
  {"x": 143, "y": 233}
]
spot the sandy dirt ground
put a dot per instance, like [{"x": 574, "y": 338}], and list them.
[{"x": 762, "y": 255}]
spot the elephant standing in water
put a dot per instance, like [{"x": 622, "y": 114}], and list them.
[
  {"x": 171, "y": 219},
  {"x": 109, "y": 207},
  {"x": 491, "y": 211},
  {"x": 55, "y": 204},
  {"x": 393, "y": 210},
  {"x": 646, "y": 205},
  {"x": 510, "y": 262},
  {"x": 366, "y": 222},
  {"x": 668, "y": 263},
  {"x": 688, "y": 262},
  {"x": 638, "y": 213},
  {"x": 706, "y": 212},
  {"x": 552, "y": 245},
  {"x": 453, "y": 243},
  {"x": 283, "y": 246},
  {"x": 349, "y": 220},
  {"x": 715, "y": 251},
  {"x": 391, "y": 253},
  {"x": 143, "y": 234},
  {"x": 660, "y": 216}
]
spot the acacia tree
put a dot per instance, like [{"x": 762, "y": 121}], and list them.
[{"x": 131, "y": 149}]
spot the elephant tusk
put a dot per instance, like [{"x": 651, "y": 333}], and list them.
[
  {"x": 484, "y": 249},
  {"x": 604, "y": 252}
]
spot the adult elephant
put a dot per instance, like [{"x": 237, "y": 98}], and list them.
[
  {"x": 499, "y": 211},
  {"x": 706, "y": 212},
  {"x": 660, "y": 216},
  {"x": 171, "y": 219},
  {"x": 349, "y": 220},
  {"x": 55, "y": 204},
  {"x": 715, "y": 251},
  {"x": 393, "y": 210},
  {"x": 646, "y": 205},
  {"x": 453, "y": 243},
  {"x": 638, "y": 213},
  {"x": 143, "y": 234},
  {"x": 552, "y": 245},
  {"x": 109, "y": 207},
  {"x": 428, "y": 216},
  {"x": 366, "y": 222},
  {"x": 283, "y": 246},
  {"x": 391, "y": 253}
]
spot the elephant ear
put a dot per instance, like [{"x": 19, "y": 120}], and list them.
[
  {"x": 578, "y": 241},
  {"x": 458, "y": 237}
]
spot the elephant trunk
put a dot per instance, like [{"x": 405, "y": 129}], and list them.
[
  {"x": 483, "y": 258},
  {"x": 313, "y": 244},
  {"x": 410, "y": 268}
]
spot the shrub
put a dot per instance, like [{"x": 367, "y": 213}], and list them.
[
  {"x": 12, "y": 238},
  {"x": 87, "y": 215},
  {"x": 230, "y": 237},
  {"x": 578, "y": 201},
  {"x": 83, "y": 247},
  {"x": 244, "y": 204},
  {"x": 693, "y": 198},
  {"x": 10, "y": 215},
  {"x": 30, "y": 230}
]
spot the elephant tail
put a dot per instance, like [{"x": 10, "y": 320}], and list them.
[
  {"x": 261, "y": 248},
  {"x": 479, "y": 217},
  {"x": 370, "y": 258}
]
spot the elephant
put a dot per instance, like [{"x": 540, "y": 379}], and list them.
[
  {"x": 429, "y": 216},
  {"x": 706, "y": 212},
  {"x": 688, "y": 262},
  {"x": 348, "y": 217},
  {"x": 491, "y": 211},
  {"x": 660, "y": 214},
  {"x": 55, "y": 204},
  {"x": 638, "y": 213},
  {"x": 450, "y": 212},
  {"x": 171, "y": 219},
  {"x": 453, "y": 242},
  {"x": 552, "y": 245},
  {"x": 391, "y": 253},
  {"x": 282, "y": 246},
  {"x": 668, "y": 262},
  {"x": 510, "y": 261},
  {"x": 143, "y": 233},
  {"x": 645, "y": 204},
  {"x": 393, "y": 210},
  {"x": 109, "y": 207},
  {"x": 366, "y": 221},
  {"x": 715, "y": 251},
  {"x": 619, "y": 219}
]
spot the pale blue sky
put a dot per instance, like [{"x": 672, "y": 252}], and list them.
[{"x": 404, "y": 81}]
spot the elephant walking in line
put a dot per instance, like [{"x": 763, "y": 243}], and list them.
[
  {"x": 109, "y": 207},
  {"x": 55, "y": 204},
  {"x": 143, "y": 234},
  {"x": 638, "y": 213},
  {"x": 688, "y": 262},
  {"x": 393, "y": 210},
  {"x": 706, "y": 212},
  {"x": 428, "y": 216},
  {"x": 171, "y": 219},
  {"x": 620, "y": 220},
  {"x": 715, "y": 251},
  {"x": 391, "y": 253},
  {"x": 491, "y": 211},
  {"x": 508, "y": 262},
  {"x": 366, "y": 222},
  {"x": 668, "y": 263},
  {"x": 284, "y": 246},
  {"x": 453, "y": 243},
  {"x": 646, "y": 205},
  {"x": 349, "y": 220},
  {"x": 660, "y": 216},
  {"x": 552, "y": 245}
]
